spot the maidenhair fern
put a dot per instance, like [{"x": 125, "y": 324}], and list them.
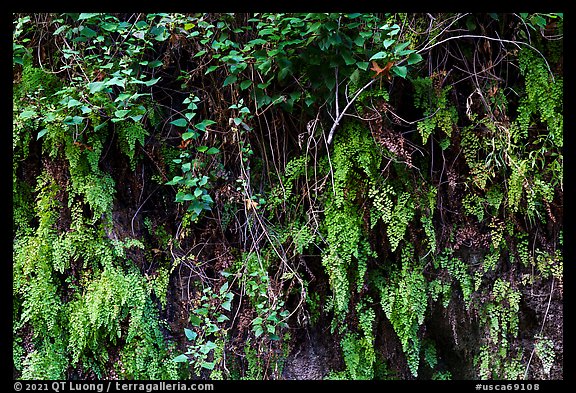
[{"x": 404, "y": 301}]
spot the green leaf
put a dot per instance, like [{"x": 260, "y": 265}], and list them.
[
  {"x": 174, "y": 181},
  {"x": 210, "y": 69},
  {"x": 190, "y": 334},
  {"x": 195, "y": 320},
  {"x": 208, "y": 365},
  {"x": 196, "y": 207},
  {"x": 258, "y": 331},
  {"x": 182, "y": 197},
  {"x": 96, "y": 87},
  {"x": 388, "y": 42},
  {"x": 189, "y": 134},
  {"x": 116, "y": 81},
  {"x": 202, "y": 149},
  {"x": 348, "y": 59},
  {"x": 121, "y": 113},
  {"x": 212, "y": 150},
  {"x": 224, "y": 288},
  {"x": 87, "y": 15},
  {"x": 414, "y": 58},
  {"x": 87, "y": 32},
  {"x": 379, "y": 55},
  {"x": 27, "y": 114},
  {"x": 245, "y": 84},
  {"x": 152, "y": 82},
  {"x": 208, "y": 199},
  {"x": 229, "y": 80},
  {"x": 203, "y": 181},
  {"x": 191, "y": 182},
  {"x": 207, "y": 347},
  {"x": 398, "y": 48},
  {"x": 363, "y": 65},
  {"x": 180, "y": 359},
  {"x": 179, "y": 122},
  {"x": 154, "y": 63},
  {"x": 222, "y": 318},
  {"x": 203, "y": 124},
  {"x": 41, "y": 133},
  {"x": 186, "y": 167},
  {"x": 72, "y": 121},
  {"x": 401, "y": 71}
]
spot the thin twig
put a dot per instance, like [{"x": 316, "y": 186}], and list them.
[
  {"x": 339, "y": 117},
  {"x": 542, "y": 328}
]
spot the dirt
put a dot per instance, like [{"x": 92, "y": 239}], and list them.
[{"x": 313, "y": 356}]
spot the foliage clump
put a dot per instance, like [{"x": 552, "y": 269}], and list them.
[{"x": 192, "y": 191}]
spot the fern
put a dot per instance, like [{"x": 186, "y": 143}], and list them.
[
  {"x": 129, "y": 135},
  {"x": 404, "y": 301},
  {"x": 401, "y": 216}
]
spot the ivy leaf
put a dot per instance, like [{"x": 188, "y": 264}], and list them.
[
  {"x": 388, "y": 42},
  {"x": 195, "y": 320},
  {"x": 190, "y": 134},
  {"x": 72, "y": 121},
  {"x": 222, "y": 318},
  {"x": 208, "y": 365},
  {"x": 27, "y": 114},
  {"x": 41, "y": 133},
  {"x": 152, "y": 81},
  {"x": 210, "y": 69},
  {"x": 245, "y": 84},
  {"x": 87, "y": 15},
  {"x": 180, "y": 359},
  {"x": 179, "y": 122},
  {"x": 203, "y": 181},
  {"x": 414, "y": 58},
  {"x": 96, "y": 87},
  {"x": 190, "y": 334},
  {"x": 379, "y": 55},
  {"x": 116, "y": 81},
  {"x": 154, "y": 63},
  {"x": 212, "y": 150},
  {"x": 182, "y": 197},
  {"x": 207, "y": 347},
  {"x": 401, "y": 71},
  {"x": 121, "y": 113},
  {"x": 229, "y": 80},
  {"x": 174, "y": 181},
  {"x": 203, "y": 124},
  {"x": 227, "y": 305},
  {"x": 348, "y": 59}
]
